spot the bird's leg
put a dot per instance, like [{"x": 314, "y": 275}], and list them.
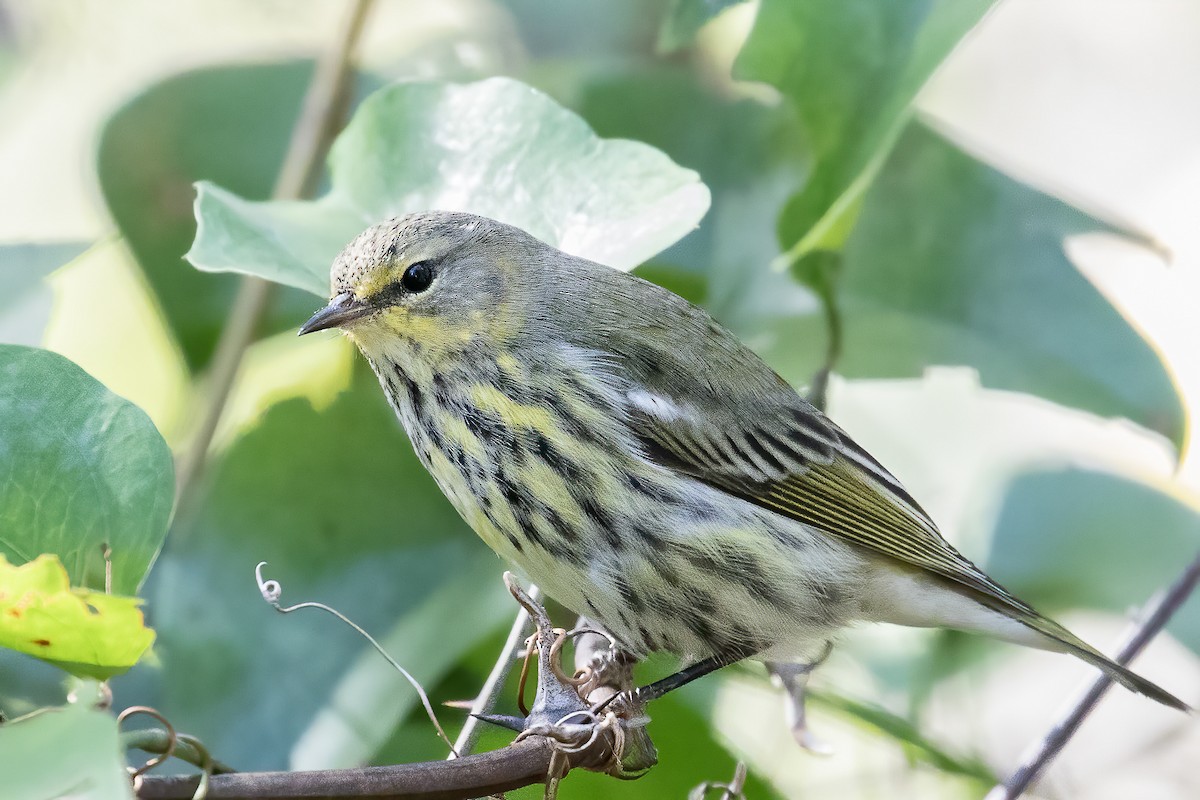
[
  {"x": 639, "y": 697},
  {"x": 793, "y": 678},
  {"x": 653, "y": 691}
]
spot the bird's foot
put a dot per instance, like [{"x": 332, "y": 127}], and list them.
[
  {"x": 793, "y": 678},
  {"x": 565, "y": 707}
]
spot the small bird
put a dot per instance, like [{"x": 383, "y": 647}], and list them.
[{"x": 641, "y": 465}]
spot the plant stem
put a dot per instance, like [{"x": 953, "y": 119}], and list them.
[
  {"x": 324, "y": 107},
  {"x": 486, "y": 700},
  {"x": 1154, "y": 618}
]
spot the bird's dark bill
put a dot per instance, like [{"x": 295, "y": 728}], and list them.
[{"x": 342, "y": 309}]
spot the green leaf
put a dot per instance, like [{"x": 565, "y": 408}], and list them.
[
  {"x": 80, "y": 468},
  {"x": 686, "y": 284},
  {"x": 878, "y": 719},
  {"x": 852, "y": 68},
  {"x": 684, "y": 20},
  {"x": 25, "y": 299},
  {"x": 496, "y": 148},
  {"x": 89, "y": 634},
  {"x": 745, "y": 151},
  {"x": 954, "y": 263},
  {"x": 228, "y": 124},
  {"x": 1072, "y": 537},
  {"x": 64, "y": 752},
  {"x": 342, "y": 511},
  {"x": 568, "y": 32}
]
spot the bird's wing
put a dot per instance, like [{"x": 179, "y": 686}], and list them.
[
  {"x": 705, "y": 406},
  {"x": 781, "y": 453}
]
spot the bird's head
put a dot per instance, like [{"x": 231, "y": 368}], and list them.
[{"x": 436, "y": 280}]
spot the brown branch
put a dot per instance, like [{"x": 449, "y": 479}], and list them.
[
  {"x": 1154, "y": 618},
  {"x": 522, "y": 764},
  {"x": 324, "y": 108}
]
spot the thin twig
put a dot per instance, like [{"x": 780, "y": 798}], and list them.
[
  {"x": 272, "y": 590},
  {"x": 324, "y": 106},
  {"x": 490, "y": 693},
  {"x": 1154, "y": 617}
]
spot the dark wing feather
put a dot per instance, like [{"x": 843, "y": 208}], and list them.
[{"x": 793, "y": 460}]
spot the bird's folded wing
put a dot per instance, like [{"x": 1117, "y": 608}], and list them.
[{"x": 784, "y": 455}]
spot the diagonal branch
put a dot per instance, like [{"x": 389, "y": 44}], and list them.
[
  {"x": 1154, "y": 618},
  {"x": 324, "y": 108},
  {"x": 490, "y": 692}
]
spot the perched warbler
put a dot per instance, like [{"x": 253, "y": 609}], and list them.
[{"x": 640, "y": 464}]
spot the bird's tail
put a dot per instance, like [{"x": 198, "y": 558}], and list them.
[{"x": 1062, "y": 639}]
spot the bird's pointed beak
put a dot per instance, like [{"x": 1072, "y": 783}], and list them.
[{"x": 342, "y": 309}]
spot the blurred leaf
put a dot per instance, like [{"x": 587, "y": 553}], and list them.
[
  {"x": 852, "y": 67},
  {"x": 227, "y": 124},
  {"x": 89, "y": 634},
  {"x": 919, "y": 747},
  {"x": 64, "y": 752},
  {"x": 80, "y": 468},
  {"x": 686, "y": 284},
  {"x": 954, "y": 263},
  {"x": 745, "y": 152},
  {"x": 731, "y": 143},
  {"x": 25, "y": 299},
  {"x": 571, "y": 30},
  {"x": 342, "y": 511},
  {"x": 371, "y": 700},
  {"x": 684, "y": 20},
  {"x": 496, "y": 148},
  {"x": 1072, "y": 537},
  {"x": 27, "y": 684}
]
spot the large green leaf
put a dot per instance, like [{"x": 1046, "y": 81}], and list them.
[
  {"x": 953, "y": 263},
  {"x": 89, "y": 634},
  {"x": 496, "y": 148},
  {"x": 25, "y": 299},
  {"x": 342, "y": 511},
  {"x": 685, "y": 18},
  {"x": 567, "y": 32},
  {"x": 80, "y": 468},
  {"x": 64, "y": 752},
  {"x": 745, "y": 151},
  {"x": 1073, "y": 537},
  {"x": 228, "y": 124},
  {"x": 852, "y": 67}
]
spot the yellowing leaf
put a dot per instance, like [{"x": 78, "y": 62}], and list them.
[{"x": 86, "y": 633}]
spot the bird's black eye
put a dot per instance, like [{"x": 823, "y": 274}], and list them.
[{"x": 417, "y": 277}]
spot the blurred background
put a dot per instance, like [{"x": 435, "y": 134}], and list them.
[{"x": 1068, "y": 477}]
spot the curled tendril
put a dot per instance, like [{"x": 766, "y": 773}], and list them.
[
  {"x": 560, "y": 636},
  {"x": 612, "y": 643},
  {"x": 172, "y": 738},
  {"x": 271, "y": 591},
  {"x": 568, "y": 739},
  {"x": 529, "y": 651}
]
